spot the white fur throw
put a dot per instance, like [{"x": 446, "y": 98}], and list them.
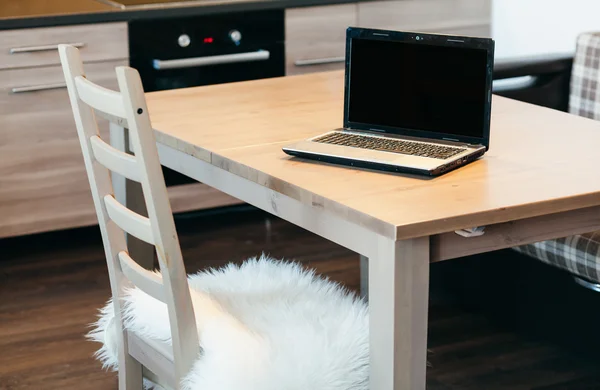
[{"x": 277, "y": 327}]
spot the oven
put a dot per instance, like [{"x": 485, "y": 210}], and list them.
[{"x": 208, "y": 49}]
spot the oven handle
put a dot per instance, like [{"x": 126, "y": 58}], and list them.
[
  {"x": 514, "y": 84},
  {"x": 260, "y": 55}
]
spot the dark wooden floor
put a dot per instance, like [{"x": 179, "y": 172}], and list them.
[{"x": 492, "y": 325}]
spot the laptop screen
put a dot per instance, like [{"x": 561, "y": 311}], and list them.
[{"x": 413, "y": 86}]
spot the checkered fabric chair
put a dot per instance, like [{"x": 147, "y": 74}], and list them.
[{"x": 578, "y": 254}]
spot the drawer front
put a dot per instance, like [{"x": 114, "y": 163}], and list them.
[
  {"x": 43, "y": 184},
  {"x": 316, "y": 37},
  {"x": 38, "y": 46},
  {"x": 34, "y": 103},
  {"x": 460, "y": 17}
]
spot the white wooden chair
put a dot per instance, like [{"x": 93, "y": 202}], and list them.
[
  {"x": 265, "y": 325},
  {"x": 129, "y": 107}
]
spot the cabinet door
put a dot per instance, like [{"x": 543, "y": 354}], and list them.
[
  {"x": 316, "y": 37},
  {"x": 43, "y": 184},
  {"x": 459, "y": 17}
]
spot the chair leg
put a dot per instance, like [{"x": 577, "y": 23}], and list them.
[{"x": 130, "y": 374}]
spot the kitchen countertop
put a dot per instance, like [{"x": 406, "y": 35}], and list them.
[
  {"x": 46, "y": 13},
  {"x": 22, "y": 9}
]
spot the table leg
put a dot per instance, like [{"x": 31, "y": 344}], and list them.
[
  {"x": 398, "y": 305},
  {"x": 130, "y": 193},
  {"x": 364, "y": 277}
]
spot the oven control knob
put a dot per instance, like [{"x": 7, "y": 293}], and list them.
[
  {"x": 235, "y": 36},
  {"x": 184, "y": 40}
]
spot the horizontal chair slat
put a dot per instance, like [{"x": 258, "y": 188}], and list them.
[
  {"x": 100, "y": 98},
  {"x": 147, "y": 281},
  {"x": 115, "y": 160},
  {"x": 129, "y": 221}
]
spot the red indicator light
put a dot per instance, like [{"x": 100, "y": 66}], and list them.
[{"x": 208, "y": 40}]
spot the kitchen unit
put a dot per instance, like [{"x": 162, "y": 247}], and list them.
[
  {"x": 43, "y": 185},
  {"x": 316, "y": 36},
  {"x": 42, "y": 180}
]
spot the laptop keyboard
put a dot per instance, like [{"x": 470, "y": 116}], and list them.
[{"x": 390, "y": 145}]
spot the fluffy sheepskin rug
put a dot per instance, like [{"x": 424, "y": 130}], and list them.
[{"x": 276, "y": 326}]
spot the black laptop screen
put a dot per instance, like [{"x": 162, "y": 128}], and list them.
[{"x": 414, "y": 86}]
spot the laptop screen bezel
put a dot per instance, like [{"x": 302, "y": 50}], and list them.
[{"x": 424, "y": 39}]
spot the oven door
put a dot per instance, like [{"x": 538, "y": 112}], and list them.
[
  {"x": 258, "y": 62},
  {"x": 208, "y": 49},
  {"x": 205, "y": 50}
]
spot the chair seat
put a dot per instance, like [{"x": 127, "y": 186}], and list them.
[
  {"x": 579, "y": 254},
  {"x": 264, "y": 325}
]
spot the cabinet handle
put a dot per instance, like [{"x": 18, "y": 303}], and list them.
[
  {"x": 260, "y": 55},
  {"x": 34, "y": 88},
  {"x": 514, "y": 83},
  {"x": 319, "y": 61},
  {"x": 31, "y": 49}
]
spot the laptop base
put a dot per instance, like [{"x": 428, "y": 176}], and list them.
[{"x": 380, "y": 166}]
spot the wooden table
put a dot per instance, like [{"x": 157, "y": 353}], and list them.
[{"x": 540, "y": 180}]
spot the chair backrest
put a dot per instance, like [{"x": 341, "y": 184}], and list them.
[
  {"x": 584, "y": 99},
  {"x": 127, "y": 108}
]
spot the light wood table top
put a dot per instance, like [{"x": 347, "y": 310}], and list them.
[{"x": 540, "y": 161}]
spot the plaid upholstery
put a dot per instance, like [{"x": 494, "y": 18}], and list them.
[
  {"x": 585, "y": 94},
  {"x": 578, "y": 254}
]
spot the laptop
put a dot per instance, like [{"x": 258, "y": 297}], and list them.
[{"x": 414, "y": 103}]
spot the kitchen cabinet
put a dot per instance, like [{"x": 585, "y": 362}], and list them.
[
  {"x": 316, "y": 37},
  {"x": 43, "y": 183},
  {"x": 458, "y": 17}
]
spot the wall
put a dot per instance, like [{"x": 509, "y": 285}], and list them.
[{"x": 540, "y": 27}]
